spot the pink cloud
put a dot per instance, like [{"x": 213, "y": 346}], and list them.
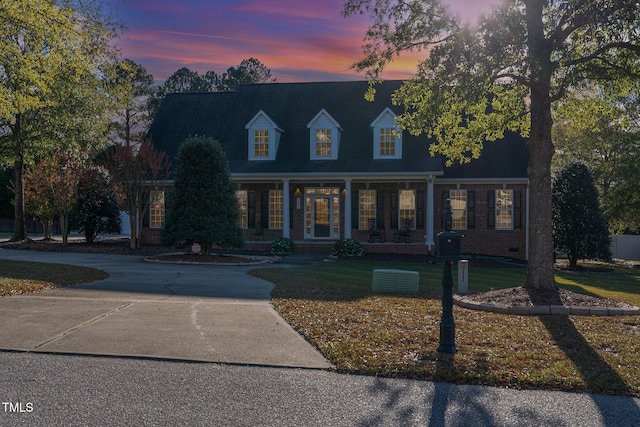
[
  {"x": 293, "y": 9},
  {"x": 298, "y": 40}
]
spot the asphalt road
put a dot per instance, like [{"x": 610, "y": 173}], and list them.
[{"x": 69, "y": 390}]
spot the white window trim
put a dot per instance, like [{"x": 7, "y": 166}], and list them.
[
  {"x": 153, "y": 209},
  {"x": 466, "y": 207},
  {"x": 386, "y": 120},
  {"x": 261, "y": 121},
  {"x": 362, "y": 211},
  {"x": 323, "y": 120},
  {"x": 415, "y": 211},
  {"x": 272, "y": 209},
  {"x": 503, "y": 210}
]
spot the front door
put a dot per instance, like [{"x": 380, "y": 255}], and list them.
[
  {"x": 322, "y": 213},
  {"x": 321, "y": 217}
]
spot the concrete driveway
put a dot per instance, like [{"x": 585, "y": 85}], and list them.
[{"x": 164, "y": 311}]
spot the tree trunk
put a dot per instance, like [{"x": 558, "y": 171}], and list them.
[
  {"x": 47, "y": 228},
  {"x": 20, "y": 231},
  {"x": 90, "y": 233},
  {"x": 573, "y": 262},
  {"x": 64, "y": 228},
  {"x": 133, "y": 224},
  {"x": 540, "y": 273}
]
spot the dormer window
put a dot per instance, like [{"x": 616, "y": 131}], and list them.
[
  {"x": 263, "y": 137},
  {"x": 324, "y": 136},
  {"x": 387, "y": 142},
  {"x": 261, "y": 143},
  {"x": 323, "y": 143},
  {"x": 387, "y": 136}
]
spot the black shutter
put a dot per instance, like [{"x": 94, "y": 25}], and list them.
[
  {"x": 445, "y": 197},
  {"x": 291, "y": 197},
  {"x": 420, "y": 217},
  {"x": 471, "y": 209},
  {"x": 251, "y": 209},
  {"x": 355, "y": 209},
  {"x": 264, "y": 210},
  {"x": 491, "y": 212},
  {"x": 394, "y": 209},
  {"x": 517, "y": 209},
  {"x": 380, "y": 210},
  {"x": 146, "y": 219}
]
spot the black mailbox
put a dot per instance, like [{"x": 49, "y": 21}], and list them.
[
  {"x": 448, "y": 243},
  {"x": 449, "y": 246}
]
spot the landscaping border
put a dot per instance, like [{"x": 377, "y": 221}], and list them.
[
  {"x": 541, "y": 310},
  {"x": 252, "y": 260}
]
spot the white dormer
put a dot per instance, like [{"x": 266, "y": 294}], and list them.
[
  {"x": 324, "y": 137},
  {"x": 263, "y": 137},
  {"x": 387, "y": 136}
]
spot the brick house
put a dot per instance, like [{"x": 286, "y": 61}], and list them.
[{"x": 316, "y": 162}]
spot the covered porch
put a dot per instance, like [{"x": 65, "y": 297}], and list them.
[{"x": 315, "y": 212}]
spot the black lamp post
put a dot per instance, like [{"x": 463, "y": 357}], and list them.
[{"x": 448, "y": 250}]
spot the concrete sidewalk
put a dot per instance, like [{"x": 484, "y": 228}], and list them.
[{"x": 164, "y": 311}]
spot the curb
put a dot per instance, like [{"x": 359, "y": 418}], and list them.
[
  {"x": 255, "y": 260},
  {"x": 540, "y": 310}
]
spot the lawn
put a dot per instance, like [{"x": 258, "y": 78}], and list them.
[
  {"x": 332, "y": 305},
  {"x": 19, "y": 277}
]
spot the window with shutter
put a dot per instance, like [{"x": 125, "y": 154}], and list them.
[
  {"x": 504, "y": 209},
  {"x": 458, "y": 200},
  {"x": 471, "y": 209},
  {"x": 367, "y": 205}
]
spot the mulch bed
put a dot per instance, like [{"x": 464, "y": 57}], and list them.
[
  {"x": 224, "y": 259},
  {"x": 520, "y": 297}
]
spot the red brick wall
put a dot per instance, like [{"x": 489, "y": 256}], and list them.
[
  {"x": 479, "y": 240},
  {"x": 150, "y": 236},
  {"x": 482, "y": 239}
]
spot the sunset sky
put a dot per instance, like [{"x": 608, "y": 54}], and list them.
[{"x": 298, "y": 40}]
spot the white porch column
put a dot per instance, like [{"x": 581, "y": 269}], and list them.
[
  {"x": 347, "y": 209},
  {"x": 286, "y": 203},
  {"x": 429, "y": 238}
]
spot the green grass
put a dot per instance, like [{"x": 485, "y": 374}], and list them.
[
  {"x": 332, "y": 305},
  {"x": 621, "y": 284},
  {"x": 19, "y": 277}
]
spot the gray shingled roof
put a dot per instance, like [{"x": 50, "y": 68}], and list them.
[{"x": 224, "y": 116}]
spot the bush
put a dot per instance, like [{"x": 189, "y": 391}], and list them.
[
  {"x": 579, "y": 226},
  {"x": 349, "y": 247},
  {"x": 202, "y": 207},
  {"x": 96, "y": 210},
  {"x": 282, "y": 245}
]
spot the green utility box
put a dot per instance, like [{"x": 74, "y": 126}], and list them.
[{"x": 395, "y": 281}]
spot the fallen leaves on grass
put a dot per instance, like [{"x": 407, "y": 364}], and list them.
[
  {"x": 21, "y": 277},
  {"x": 397, "y": 336}
]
